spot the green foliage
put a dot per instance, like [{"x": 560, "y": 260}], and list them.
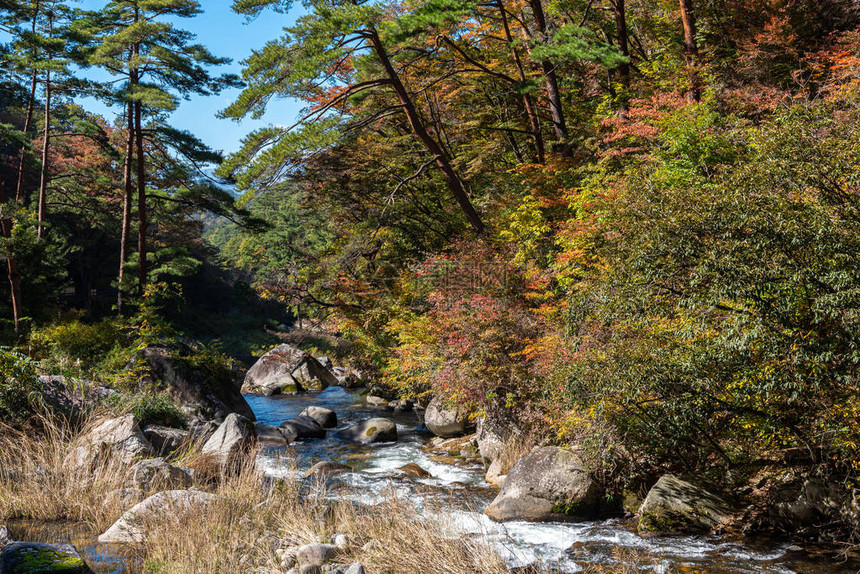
[
  {"x": 151, "y": 408},
  {"x": 80, "y": 344},
  {"x": 20, "y": 398}
]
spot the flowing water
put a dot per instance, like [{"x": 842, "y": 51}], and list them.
[{"x": 461, "y": 492}]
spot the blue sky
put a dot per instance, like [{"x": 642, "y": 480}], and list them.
[{"x": 225, "y": 34}]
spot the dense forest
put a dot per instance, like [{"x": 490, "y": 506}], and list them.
[{"x": 632, "y": 226}]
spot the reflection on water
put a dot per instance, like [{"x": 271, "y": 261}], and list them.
[{"x": 455, "y": 495}]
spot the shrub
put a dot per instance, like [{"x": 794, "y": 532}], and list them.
[
  {"x": 79, "y": 344},
  {"x": 19, "y": 388},
  {"x": 152, "y": 408}
]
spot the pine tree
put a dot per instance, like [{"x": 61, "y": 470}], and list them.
[{"x": 155, "y": 64}]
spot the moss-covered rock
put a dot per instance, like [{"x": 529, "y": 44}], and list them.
[
  {"x": 35, "y": 558},
  {"x": 371, "y": 431}
]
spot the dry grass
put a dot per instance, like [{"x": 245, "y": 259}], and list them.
[
  {"x": 37, "y": 484},
  {"x": 250, "y": 519},
  {"x": 253, "y": 517},
  {"x": 517, "y": 446}
]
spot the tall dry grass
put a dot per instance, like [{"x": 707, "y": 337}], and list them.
[
  {"x": 249, "y": 521},
  {"x": 36, "y": 483}
]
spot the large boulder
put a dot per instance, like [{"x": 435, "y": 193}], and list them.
[
  {"x": 302, "y": 427},
  {"x": 72, "y": 397},
  {"x": 802, "y": 506},
  {"x": 35, "y": 558},
  {"x": 165, "y": 440},
  {"x": 231, "y": 442},
  {"x": 371, "y": 431},
  {"x": 131, "y": 527},
  {"x": 205, "y": 394},
  {"x": 688, "y": 504},
  {"x": 445, "y": 421},
  {"x": 285, "y": 370},
  {"x": 548, "y": 484},
  {"x": 120, "y": 437},
  {"x": 158, "y": 474},
  {"x": 326, "y": 418}
]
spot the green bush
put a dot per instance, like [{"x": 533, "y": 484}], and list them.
[
  {"x": 152, "y": 408},
  {"x": 78, "y": 344},
  {"x": 19, "y": 388}
]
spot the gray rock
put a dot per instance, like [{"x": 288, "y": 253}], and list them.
[
  {"x": 678, "y": 504},
  {"x": 123, "y": 497},
  {"x": 377, "y": 402},
  {"x": 4, "y": 537},
  {"x": 158, "y": 474},
  {"x": 356, "y": 568},
  {"x": 303, "y": 427},
  {"x": 326, "y": 418},
  {"x": 801, "y": 506},
  {"x": 494, "y": 475},
  {"x": 491, "y": 439},
  {"x": 548, "y": 484},
  {"x": 310, "y": 569},
  {"x": 130, "y": 528},
  {"x": 119, "y": 437},
  {"x": 325, "y": 362},
  {"x": 326, "y": 469},
  {"x": 371, "y": 431},
  {"x": 285, "y": 370},
  {"x": 445, "y": 421},
  {"x": 35, "y": 558},
  {"x": 165, "y": 440},
  {"x": 272, "y": 435},
  {"x": 316, "y": 554},
  {"x": 231, "y": 442},
  {"x": 201, "y": 395}
]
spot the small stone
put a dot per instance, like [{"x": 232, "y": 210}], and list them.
[
  {"x": 316, "y": 554},
  {"x": 377, "y": 402},
  {"x": 310, "y": 569},
  {"x": 158, "y": 474},
  {"x": 340, "y": 540},
  {"x": 356, "y": 568},
  {"x": 413, "y": 469}
]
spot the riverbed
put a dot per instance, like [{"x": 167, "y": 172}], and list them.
[{"x": 456, "y": 493}]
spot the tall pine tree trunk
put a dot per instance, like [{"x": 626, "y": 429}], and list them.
[
  {"x": 691, "y": 49},
  {"x": 128, "y": 195},
  {"x": 531, "y": 111},
  {"x": 455, "y": 184},
  {"x": 551, "y": 81},
  {"x": 142, "y": 222},
  {"x": 43, "y": 180},
  {"x": 28, "y": 120}
]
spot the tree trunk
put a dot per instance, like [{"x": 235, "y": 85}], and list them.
[
  {"x": 531, "y": 112},
  {"x": 551, "y": 80},
  {"x": 28, "y": 121},
  {"x": 618, "y": 7},
  {"x": 691, "y": 49},
  {"x": 43, "y": 180},
  {"x": 11, "y": 261},
  {"x": 454, "y": 182},
  {"x": 141, "y": 198},
  {"x": 128, "y": 192}
]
